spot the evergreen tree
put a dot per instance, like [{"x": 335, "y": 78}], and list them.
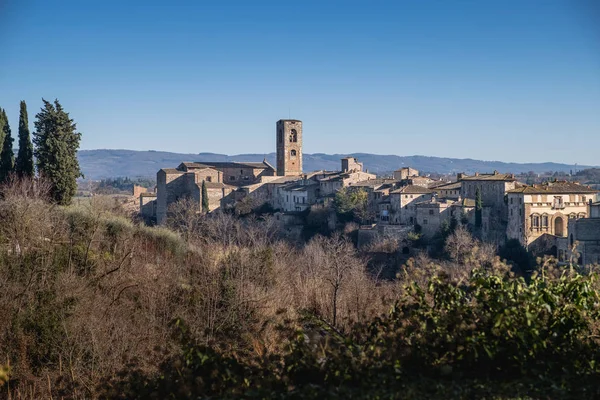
[
  {"x": 7, "y": 156},
  {"x": 205, "y": 206},
  {"x": 24, "y": 165},
  {"x": 56, "y": 142},
  {"x": 478, "y": 209}
]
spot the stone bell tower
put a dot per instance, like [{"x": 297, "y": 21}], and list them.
[{"x": 289, "y": 147}]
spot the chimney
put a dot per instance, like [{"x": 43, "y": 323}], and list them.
[
  {"x": 459, "y": 176},
  {"x": 476, "y": 173}
]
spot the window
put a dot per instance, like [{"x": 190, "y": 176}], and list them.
[
  {"x": 293, "y": 136},
  {"x": 425, "y": 221},
  {"x": 293, "y": 153},
  {"x": 558, "y": 202},
  {"x": 430, "y": 212},
  {"x": 572, "y": 216},
  {"x": 246, "y": 178},
  {"x": 241, "y": 172},
  {"x": 209, "y": 179},
  {"x": 535, "y": 221},
  {"x": 583, "y": 198},
  {"x": 232, "y": 178},
  {"x": 544, "y": 221}
]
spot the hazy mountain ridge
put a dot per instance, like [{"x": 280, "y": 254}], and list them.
[{"x": 104, "y": 163}]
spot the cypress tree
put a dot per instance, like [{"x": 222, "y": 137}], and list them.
[
  {"x": 24, "y": 166},
  {"x": 478, "y": 208},
  {"x": 56, "y": 142},
  {"x": 205, "y": 206},
  {"x": 7, "y": 156}
]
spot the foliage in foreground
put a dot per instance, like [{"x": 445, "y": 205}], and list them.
[{"x": 493, "y": 337}]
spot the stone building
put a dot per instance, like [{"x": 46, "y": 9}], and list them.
[
  {"x": 351, "y": 164},
  {"x": 298, "y": 196},
  {"x": 289, "y": 147},
  {"x": 582, "y": 244},
  {"x": 351, "y": 173},
  {"x": 174, "y": 184},
  {"x": 545, "y": 209},
  {"x": 493, "y": 187},
  {"x": 148, "y": 207},
  {"x": 595, "y": 209},
  {"x": 405, "y": 173},
  {"x": 231, "y": 173},
  {"x": 432, "y": 213},
  {"x": 403, "y": 201},
  {"x": 449, "y": 190}
]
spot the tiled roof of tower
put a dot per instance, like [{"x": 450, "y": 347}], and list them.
[
  {"x": 562, "y": 187},
  {"x": 413, "y": 189}
]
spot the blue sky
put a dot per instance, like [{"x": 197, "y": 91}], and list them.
[{"x": 510, "y": 80}]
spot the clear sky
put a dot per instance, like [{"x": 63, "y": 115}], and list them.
[{"x": 509, "y": 80}]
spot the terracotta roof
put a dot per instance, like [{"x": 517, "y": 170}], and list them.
[
  {"x": 172, "y": 171},
  {"x": 413, "y": 189},
  {"x": 467, "y": 202},
  {"x": 216, "y": 185},
  {"x": 496, "y": 176},
  {"x": 448, "y": 186},
  {"x": 299, "y": 186},
  {"x": 373, "y": 182},
  {"x": 554, "y": 188},
  {"x": 233, "y": 164}
]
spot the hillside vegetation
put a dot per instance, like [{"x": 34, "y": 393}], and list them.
[{"x": 95, "y": 305}]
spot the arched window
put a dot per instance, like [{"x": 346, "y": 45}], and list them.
[
  {"x": 293, "y": 153},
  {"x": 572, "y": 215},
  {"x": 558, "y": 226},
  {"x": 293, "y": 136},
  {"x": 581, "y": 215}
]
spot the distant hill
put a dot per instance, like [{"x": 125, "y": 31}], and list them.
[{"x": 98, "y": 164}]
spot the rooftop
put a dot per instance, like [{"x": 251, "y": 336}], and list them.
[
  {"x": 413, "y": 189},
  {"x": 559, "y": 187},
  {"x": 495, "y": 176},
  {"x": 299, "y": 186},
  {"x": 448, "y": 186},
  {"x": 373, "y": 182}
]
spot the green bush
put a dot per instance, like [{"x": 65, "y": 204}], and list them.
[{"x": 494, "y": 337}]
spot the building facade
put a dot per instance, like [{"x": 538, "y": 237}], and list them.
[
  {"x": 289, "y": 147},
  {"x": 545, "y": 209}
]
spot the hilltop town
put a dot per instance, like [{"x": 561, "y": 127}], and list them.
[{"x": 547, "y": 218}]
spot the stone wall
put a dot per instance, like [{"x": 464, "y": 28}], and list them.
[
  {"x": 138, "y": 190},
  {"x": 289, "y": 142},
  {"x": 404, "y": 173}
]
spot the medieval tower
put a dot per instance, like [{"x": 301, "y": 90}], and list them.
[{"x": 289, "y": 147}]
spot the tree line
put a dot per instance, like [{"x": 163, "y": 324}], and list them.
[{"x": 54, "y": 156}]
